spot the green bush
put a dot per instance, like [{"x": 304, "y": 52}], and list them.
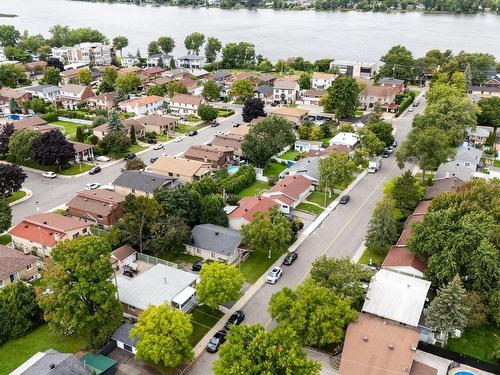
[
  {"x": 238, "y": 181},
  {"x": 406, "y": 102},
  {"x": 50, "y": 117}
]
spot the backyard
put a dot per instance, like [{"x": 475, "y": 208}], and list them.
[
  {"x": 273, "y": 169},
  {"x": 69, "y": 127},
  {"x": 203, "y": 319},
  {"x": 257, "y": 263},
  {"x": 290, "y": 155},
  {"x": 477, "y": 342},
  {"x": 254, "y": 189}
]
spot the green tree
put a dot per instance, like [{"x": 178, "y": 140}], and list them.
[
  {"x": 119, "y": 43},
  {"x": 242, "y": 89},
  {"x": 383, "y": 131},
  {"x": 12, "y": 177},
  {"x": 158, "y": 90},
  {"x": 80, "y": 137},
  {"x": 212, "y": 210},
  {"x": 13, "y": 106},
  {"x": 168, "y": 234},
  {"x": 479, "y": 63},
  {"x": 175, "y": 87},
  {"x": 252, "y": 350},
  {"x": 372, "y": 144},
  {"x": 478, "y": 311},
  {"x": 5, "y": 215},
  {"x": 163, "y": 336},
  {"x": 398, "y": 63},
  {"x": 9, "y": 36},
  {"x": 406, "y": 192},
  {"x": 211, "y": 91},
  {"x": 153, "y": 48},
  {"x": 114, "y": 123},
  {"x": 238, "y": 55},
  {"x": 447, "y": 311},
  {"x": 207, "y": 112},
  {"x": 16, "y": 54},
  {"x": 322, "y": 65},
  {"x": 305, "y": 81},
  {"x": 12, "y": 75},
  {"x": 83, "y": 299},
  {"x": 341, "y": 97},
  {"x": 51, "y": 76},
  {"x": 166, "y": 43},
  {"x": 85, "y": 77},
  {"x": 193, "y": 42},
  {"x": 128, "y": 83},
  {"x": 272, "y": 232},
  {"x": 115, "y": 142},
  {"x": 135, "y": 164},
  {"x": 182, "y": 202},
  {"x": 212, "y": 48},
  {"x": 252, "y": 109},
  {"x": 382, "y": 229},
  {"x": 490, "y": 112},
  {"x": 317, "y": 314},
  {"x": 484, "y": 267},
  {"x": 20, "y": 144},
  {"x": 219, "y": 284},
  {"x": 108, "y": 79},
  {"x": 335, "y": 170}
]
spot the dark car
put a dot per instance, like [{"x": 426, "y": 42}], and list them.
[
  {"x": 214, "y": 124},
  {"x": 236, "y": 125},
  {"x": 394, "y": 144},
  {"x": 192, "y": 133},
  {"x": 344, "y": 199},
  {"x": 216, "y": 341},
  {"x": 95, "y": 170},
  {"x": 386, "y": 153},
  {"x": 128, "y": 273},
  {"x": 236, "y": 319},
  {"x": 197, "y": 265},
  {"x": 152, "y": 141},
  {"x": 129, "y": 157},
  {"x": 290, "y": 258},
  {"x": 153, "y": 159}
]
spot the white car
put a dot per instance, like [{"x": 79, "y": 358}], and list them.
[
  {"x": 92, "y": 186},
  {"x": 109, "y": 187},
  {"x": 49, "y": 175},
  {"x": 178, "y": 139},
  {"x": 410, "y": 109},
  {"x": 158, "y": 146},
  {"x": 274, "y": 275},
  {"x": 102, "y": 158},
  {"x": 219, "y": 132}
]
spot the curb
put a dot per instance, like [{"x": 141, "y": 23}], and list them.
[{"x": 28, "y": 195}]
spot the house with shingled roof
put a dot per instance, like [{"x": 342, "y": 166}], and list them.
[
  {"x": 247, "y": 208},
  {"x": 142, "y": 106},
  {"x": 72, "y": 95},
  {"x": 185, "y": 105},
  {"x": 185, "y": 170},
  {"x": 102, "y": 207},
  {"x": 215, "y": 242},
  {"x": 217, "y": 156},
  {"x": 15, "y": 265},
  {"x": 142, "y": 183},
  {"x": 289, "y": 192}
]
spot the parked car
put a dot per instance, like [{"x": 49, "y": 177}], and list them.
[
  {"x": 49, "y": 175},
  {"x": 214, "y": 124},
  {"x": 178, "y": 139},
  {"x": 236, "y": 125},
  {"x": 109, "y": 187},
  {"x": 217, "y": 340},
  {"x": 95, "y": 170},
  {"x": 152, "y": 141},
  {"x": 410, "y": 109},
  {"x": 192, "y": 133},
  {"x": 386, "y": 154},
  {"x": 390, "y": 149},
  {"x": 290, "y": 258},
  {"x": 344, "y": 199},
  {"x": 102, "y": 158},
  {"x": 158, "y": 146},
  {"x": 197, "y": 265},
  {"x": 129, "y": 156},
  {"x": 235, "y": 319},
  {"x": 395, "y": 143},
  {"x": 274, "y": 275},
  {"x": 92, "y": 186},
  {"x": 153, "y": 159},
  {"x": 127, "y": 272}
]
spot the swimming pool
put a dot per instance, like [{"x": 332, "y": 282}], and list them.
[
  {"x": 464, "y": 373},
  {"x": 232, "y": 169}
]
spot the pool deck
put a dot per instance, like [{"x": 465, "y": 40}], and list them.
[{"x": 441, "y": 364}]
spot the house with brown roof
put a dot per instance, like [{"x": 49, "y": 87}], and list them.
[
  {"x": 295, "y": 115},
  {"x": 123, "y": 256},
  {"x": 142, "y": 183},
  {"x": 247, "y": 208},
  {"x": 35, "y": 69},
  {"x": 101, "y": 206},
  {"x": 72, "y": 95},
  {"x": 401, "y": 259},
  {"x": 216, "y": 156},
  {"x": 285, "y": 91},
  {"x": 185, "y": 170},
  {"x": 34, "y": 123},
  {"x": 185, "y": 105},
  {"x": 6, "y": 93},
  {"x": 312, "y": 97},
  {"x": 229, "y": 141},
  {"x": 15, "y": 265},
  {"x": 373, "y": 94},
  {"x": 142, "y": 106},
  {"x": 83, "y": 151},
  {"x": 102, "y": 130},
  {"x": 153, "y": 72},
  {"x": 244, "y": 129},
  {"x": 327, "y": 151},
  {"x": 104, "y": 101},
  {"x": 70, "y": 76},
  {"x": 155, "y": 123},
  {"x": 40, "y": 233},
  {"x": 289, "y": 192},
  {"x": 443, "y": 185},
  {"x": 189, "y": 84}
]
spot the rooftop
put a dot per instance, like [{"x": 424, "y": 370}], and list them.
[
  {"x": 141, "y": 101},
  {"x": 454, "y": 169},
  {"x": 122, "y": 253},
  {"x": 186, "y": 99},
  {"x": 12, "y": 260},
  {"x": 143, "y": 181},
  {"x": 377, "y": 91},
  {"x": 122, "y": 334},
  {"x": 402, "y": 257},
  {"x": 286, "y": 111},
  {"x": 285, "y": 84},
  {"x": 216, "y": 238},
  {"x": 346, "y": 139},
  {"x": 443, "y": 185},
  {"x": 390, "y": 81},
  {"x": 250, "y": 205},
  {"x": 179, "y": 166},
  {"x": 308, "y": 166},
  {"x": 292, "y": 186},
  {"x": 51, "y": 362}
]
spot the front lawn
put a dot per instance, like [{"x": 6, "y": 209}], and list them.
[
  {"x": 318, "y": 197},
  {"x": 496, "y": 163},
  {"x": 376, "y": 258},
  {"x": 16, "y": 196},
  {"x": 225, "y": 112},
  {"x": 290, "y": 155},
  {"x": 254, "y": 189},
  {"x": 257, "y": 263},
  {"x": 311, "y": 208},
  {"x": 71, "y": 170},
  {"x": 5, "y": 239},
  {"x": 69, "y": 127},
  {"x": 133, "y": 149},
  {"x": 16, "y": 351},
  {"x": 273, "y": 169},
  {"x": 163, "y": 138},
  {"x": 477, "y": 342},
  {"x": 203, "y": 318},
  {"x": 183, "y": 128}
]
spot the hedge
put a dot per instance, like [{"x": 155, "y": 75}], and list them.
[
  {"x": 50, "y": 117},
  {"x": 238, "y": 181},
  {"x": 406, "y": 102}
]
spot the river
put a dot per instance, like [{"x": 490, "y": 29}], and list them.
[{"x": 275, "y": 33}]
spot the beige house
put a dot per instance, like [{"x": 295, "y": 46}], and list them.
[
  {"x": 15, "y": 265},
  {"x": 184, "y": 170},
  {"x": 104, "y": 101},
  {"x": 285, "y": 91},
  {"x": 155, "y": 123},
  {"x": 229, "y": 141},
  {"x": 216, "y": 156},
  {"x": 295, "y": 115},
  {"x": 185, "y": 105},
  {"x": 372, "y": 94},
  {"x": 322, "y": 81}
]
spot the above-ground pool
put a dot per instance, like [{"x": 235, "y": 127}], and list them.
[
  {"x": 232, "y": 169},
  {"x": 464, "y": 373}
]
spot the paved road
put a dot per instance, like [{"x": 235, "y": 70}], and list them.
[
  {"x": 53, "y": 193},
  {"x": 341, "y": 234}
]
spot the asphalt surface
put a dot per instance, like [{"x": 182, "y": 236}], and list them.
[
  {"x": 340, "y": 235},
  {"x": 51, "y": 193}
]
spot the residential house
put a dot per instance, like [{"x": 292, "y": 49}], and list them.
[
  {"x": 327, "y": 151},
  {"x": 312, "y": 97},
  {"x": 49, "y": 93},
  {"x": 349, "y": 140},
  {"x": 307, "y": 166},
  {"x": 295, "y": 115},
  {"x": 142, "y": 106},
  {"x": 243, "y": 129},
  {"x": 72, "y": 95},
  {"x": 469, "y": 156},
  {"x": 220, "y": 75},
  {"x": 322, "y": 81},
  {"x": 103, "y": 207},
  {"x": 129, "y": 60},
  {"x": 230, "y": 141},
  {"x": 291, "y": 77},
  {"x": 290, "y": 191},
  {"x": 491, "y": 87},
  {"x": 154, "y": 123},
  {"x": 442, "y": 185},
  {"x": 185, "y": 170},
  {"x": 478, "y": 135},
  {"x": 152, "y": 73},
  {"x": 355, "y": 69},
  {"x": 40, "y": 233},
  {"x": 6, "y": 94},
  {"x": 454, "y": 169},
  {"x": 247, "y": 208},
  {"x": 373, "y": 94},
  {"x": 34, "y": 123},
  {"x": 401, "y": 259},
  {"x": 142, "y": 183},
  {"x": 200, "y": 74},
  {"x": 155, "y": 286},
  {"x": 104, "y": 101},
  {"x": 267, "y": 78},
  {"x": 123, "y": 256},
  {"x": 213, "y": 242},
  {"x": 70, "y": 75},
  {"x": 158, "y": 60},
  {"x": 132, "y": 69},
  {"x": 102, "y": 130},
  {"x": 306, "y": 146},
  {"x": 162, "y": 81},
  {"x": 185, "y": 105},
  {"x": 285, "y": 91},
  {"x": 123, "y": 339},
  {"x": 15, "y": 265},
  {"x": 216, "y": 156},
  {"x": 191, "y": 61},
  {"x": 397, "y": 84},
  {"x": 177, "y": 73},
  {"x": 86, "y": 53},
  {"x": 189, "y": 84},
  {"x": 264, "y": 92},
  {"x": 51, "y": 362},
  {"x": 83, "y": 151},
  {"x": 35, "y": 69}
]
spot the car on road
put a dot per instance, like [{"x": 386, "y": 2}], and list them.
[
  {"x": 344, "y": 199},
  {"x": 235, "y": 319},
  {"x": 290, "y": 258},
  {"x": 214, "y": 124},
  {"x": 219, "y": 132},
  {"x": 158, "y": 146},
  {"x": 49, "y": 175},
  {"x": 109, "y": 187},
  {"x": 102, "y": 158},
  {"x": 178, "y": 139},
  {"x": 386, "y": 154},
  {"x": 153, "y": 159},
  {"x": 236, "y": 125},
  {"x": 217, "y": 340},
  {"x": 95, "y": 170},
  {"x": 92, "y": 186},
  {"x": 394, "y": 144},
  {"x": 197, "y": 265},
  {"x": 274, "y": 275},
  {"x": 129, "y": 156},
  {"x": 192, "y": 133},
  {"x": 410, "y": 109}
]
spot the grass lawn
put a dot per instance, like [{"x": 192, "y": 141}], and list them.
[
  {"x": 496, "y": 163},
  {"x": 359, "y": 113},
  {"x": 183, "y": 128},
  {"x": 257, "y": 263},
  {"x": 16, "y": 196},
  {"x": 273, "y": 169},
  {"x": 72, "y": 170},
  {"x": 375, "y": 257},
  {"x": 225, "y": 113},
  {"x": 254, "y": 189},
  {"x": 133, "y": 149},
  {"x": 477, "y": 342},
  {"x": 14, "y": 352},
  {"x": 290, "y": 155},
  {"x": 179, "y": 257},
  {"x": 318, "y": 197},
  {"x": 5, "y": 239},
  {"x": 308, "y": 207},
  {"x": 203, "y": 319},
  {"x": 69, "y": 127},
  {"x": 163, "y": 138}
]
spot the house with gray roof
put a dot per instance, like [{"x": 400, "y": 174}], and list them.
[
  {"x": 468, "y": 156},
  {"x": 142, "y": 183},
  {"x": 264, "y": 92},
  {"x": 307, "y": 166},
  {"x": 478, "y": 136},
  {"x": 49, "y": 93},
  {"x": 123, "y": 340},
  {"x": 456, "y": 169},
  {"x": 191, "y": 61},
  {"x": 215, "y": 242},
  {"x": 51, "y": 362},
  {"x": 220, "y": 75}
]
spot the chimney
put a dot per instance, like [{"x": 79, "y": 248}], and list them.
[
  {"x": 45, "y": 222},
  {"x": 391, "y": 347},
  {"x": 216, "y": 233},
  {"x": 365, "y": 338},
  {"x": 165, "y": 280},
  {"x": 52, "y": 366}
]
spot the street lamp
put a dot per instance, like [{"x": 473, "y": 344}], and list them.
[{"x": 37, "y": 207}]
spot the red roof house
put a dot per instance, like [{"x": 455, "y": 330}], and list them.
[
  {"x": 290, "y": 191},
  {"x": 248, "y": 207}
]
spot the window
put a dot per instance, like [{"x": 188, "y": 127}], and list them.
[
  {"x": 212, "y": 254},
  {"x": 29, "y": 267},
  {"x": 131, "y": 308},
  {"x": 84, "y": 230},
  {"x": 133, "y": 191},
  {"x": 198, "y": 251},
  {"x": 99, "y": 216}
]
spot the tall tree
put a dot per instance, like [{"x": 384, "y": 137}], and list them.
[
  {"x": 83, "y": 299},
  {"x": 11, "y": 179},
  {"x": 9, "y": 36},
  {"x": 132, "y": 136},
  {"x": 212, "y": 210},
  {"x": 128, "y": 83},
  {"x": 166, "y": 43},
  {"x": 238, "y": 55},
  {"x": 168, "y": 234},
  {"x": 12, "y": 75},
  {"x": 5, "y": 134},
  {"x": 79, "y": 136},
  {"x": 109, "y": 76},
  {"x": 370, "y": 143},
  {"x": 13, "y": 106},
  {"x": 398, "y": 63},
  {"x": 51, "y": 76},
  {"x": 207, "y": 112},
  {"x": 212, "y": 48},
  {"x": 163, "y": 336},
  {"x": 242, "y": 89},
  {"x": 490, "y": 112},
  {"x": 382, "y": 228},
  {"x": 406, "y": 192},
  {"x": 335, "y": 170},
  {"x": 219, "y": 284},
  {"x": 153, "y": 48},
  {"x": 115, "y": 142},
  {"x": 175, "y": 87},
  {"x": 193, "y": 42},
  {"x": 211, "y": 91},
  {"x": 119, "y": 43},
  {"x": 253, "y": 108},
  {"x": 52, "y": 148},
  {"x": 5, "y": 215},
  {"x": 20, "y": 144},
  {"x": 114, "y": 123},
  {"x": 341, "y": 97},
  {"x": 84, "y": 77},
  {"x": 383, "y": 130},
  {"x": 182, "y": 202}
]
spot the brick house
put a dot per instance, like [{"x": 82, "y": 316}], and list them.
[
  {"x": 185, "y": 170},
  {"x": 72, "y": 95},
  {"x": 99, "y": 206},
  {"x": 104, "y": 101},
  {"x": 246, "y": 210},
  {"x": 217, "y": 156}
]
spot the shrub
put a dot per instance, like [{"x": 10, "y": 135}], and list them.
[
  {"x": 50, "y": 117},
  {"x": 238, "y": 181},
  {"x": 406, "y": 102}
]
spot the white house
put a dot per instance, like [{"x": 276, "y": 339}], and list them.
[
  {"x": 345, "y": 139},
  {"x": 468, "y": 156},
  {"x": 285, "y": 91},
  {"x": 191, "y": 61},
  {"x": 355, "y": 69},
  {"x": 184, "y": 104},
  {"x": 322, "y": 81},
  {"x": 129, "y": 60},
  {"x": 123, "y": 256},
  {"x": 159, "y": 59},
  {"x": 49, "y": 93},
  {"x": 290, "y": 191},
  {"x": 86, "y": 53},
  {"x": 2, "y": 55},
  {"x": 306, "y": 146},
  {"x": 145, "y": 105},
  {"x": 123, "y": 340}
]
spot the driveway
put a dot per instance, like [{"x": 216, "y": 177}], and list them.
[{"x": 127, "y": 365}]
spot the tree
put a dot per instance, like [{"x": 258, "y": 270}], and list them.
[
  {"x": 158, "y": 90},
  {"x": 52, "y": 148},
  {"x": 114, "y": 123},
  {"x": 163, "y": 336},
  {"x": 398, "y": 63},
  {"x": 9, "y": 35},
  {"x": 447, "y": 311},
  {"x": 219, "y": 284},
  {"x": 341, "y": 97},
  {"x": 128, "y": 83},
  {"x": 406, "y": 192},
  {"x": 238, "y": 55},
  {"x": 242, "y": 89},
  {"x": 175, "y": 87},
  {"x": 382, "y": 229},
  {"x": 370, "y": 143},
  {"x": 11, "y": 179},
  {"x": 322, "y": 65},
  {"x": 207, "y": 112},
  {"x": 166, "y": 43},
  {"x": 212, "y": 210},
  {"x": 193, "y": 42},
  {"x": 182, "y": 202},
  {"x": 132, "y": 137},
  {"x": 253, "y": 108},
  {"x": 490, "y": 112},
  {"x": 478, "y": 311},
  {"x": 212, "y": 48},
  {"x": 305, "y": 81},
  {"x": 20, "y": 144},
  {"x": 11, "y": 75},
  {"x": 383, "y": 131},
  {"x": 316, "y": 314},
  {"x": 115, "y": 142},
  {"x": 119, "y": 43},
  {"x": 79, "y": 136},
  {"x": 51, "y": 76},
  {"x": 270, "y": 231},
  {"x": 168, "y": 234},
  {"x": 335, "y": 170},
  {"x": 342, "y": 276},
  {"x": 13, "y": 107},
  {"x": 428, "y": 147},
  {"x": 153, "y": 48},
  {"x": 16, "y": 54},
  {"x": 211, "y": 91},
  {"x": 484, "y": 267},
  {"x": 266, "y": 139},
  {"x": 108, "y": 79},
  {"x": 84, "y": 77},
  {"x": 5, "y": 134},
  {"x": 135, "y": 164},
  {"x": 5, "y": 215},
  {"x": 252, "y": 350},
  {"x": 83, "y": 299}
]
